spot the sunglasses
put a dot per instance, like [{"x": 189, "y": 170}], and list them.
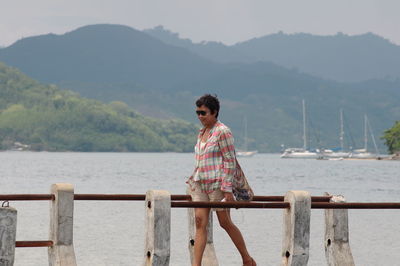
[{"x": 202, "y": 113}]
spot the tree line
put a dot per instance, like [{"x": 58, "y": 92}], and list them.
[
  {"x": 392, "y": 138},
  {"x": 43, "y": 117}
]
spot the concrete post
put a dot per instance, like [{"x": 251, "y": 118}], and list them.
[
  {"x": 296, "y": 232},
  {"x": 8, "y": 230},
  {"x": 337, "y": 248},
  {"x": 61, "y": 226},
  {"x": 209, "y": 256},
  {"x": 158, "y": 228}
]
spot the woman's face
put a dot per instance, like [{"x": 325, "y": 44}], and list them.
[{"x": 204, "y": 115}]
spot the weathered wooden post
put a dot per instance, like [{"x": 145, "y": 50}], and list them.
[
  {"x": 337, "y": 248},
  {"x": 61, "y": 226},
  {"x": 8, "y": 231},
  {"x": 209, "y": 256},
  {"x": 296, "y": 229},
  {"x": 158, "y": 228}
]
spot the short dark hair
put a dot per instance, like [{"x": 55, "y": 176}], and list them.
[{"x": 209, "y": 101}]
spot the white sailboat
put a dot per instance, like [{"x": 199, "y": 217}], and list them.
[
  {"x": 301, "y": 153},
  {"x": 364, "y": 153},
  {"x": 330, "y": 154},
  {"x": 245, "y": 152}
]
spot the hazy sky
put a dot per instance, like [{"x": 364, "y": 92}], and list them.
[{"x": 228, "y": 21}]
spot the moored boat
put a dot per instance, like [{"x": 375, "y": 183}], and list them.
[
  {"x": 245, "y": 152},
  {"x": 301, "y": 153},
  {"x": 364, "y": 153}
]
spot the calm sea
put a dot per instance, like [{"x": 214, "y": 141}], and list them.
[{"x": 112, "y": 233}]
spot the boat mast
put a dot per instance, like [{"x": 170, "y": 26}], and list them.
[
  {"x": 373, "y": 137},
  {"x": 304, "y": 126},
  {"x": 245, "y": 133},
  {"x": 365, "y": 133},
  {"x": 341, "y": 136}
]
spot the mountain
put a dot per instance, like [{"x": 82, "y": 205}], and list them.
[
  {"x": 339, "y": 57},
  {"x": 43, "y": 117},
  {"x": 163, "y": 81},
  {"x": 105, "y": 53},
  {"x": 214, "y": 51},
  {"x": 115, "y": 54}
]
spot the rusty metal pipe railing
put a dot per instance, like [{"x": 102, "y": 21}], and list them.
[
  {"x": 283, "y": 205},
  {"x": 19, "y": 197},
  {"x": 139, "y": 197},
  {"x": 32, "y": 197},
  {"x": 32, "y": 244},
  {"x": 234, "y": 204},
  {"x": 178, "y": 197},
  {"x": 318, "y": 202},
  {"x": 133, "y": 197},
  {"x": 356, "y": 205},
  {"x": 281, "y": 198}
]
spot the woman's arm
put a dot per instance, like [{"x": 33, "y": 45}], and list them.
[{"x": 225, "y": 142}]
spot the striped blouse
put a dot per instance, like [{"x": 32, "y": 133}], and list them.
[{"x": 216, "y": 164}]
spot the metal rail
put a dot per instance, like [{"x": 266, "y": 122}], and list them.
[
  {"x": 32, "y": 244},
  {"x": 132, "y": 197},
  {"x": 138, "y": 197},
  {"x": 281, "y": 198},
  {"x": 233, "y": 204},
  {"x": 284, "y": 205},
  {"x": 356, "y": 205},
  {"x": 264, "y": 202},
  {"x": 29, "y": 197}
]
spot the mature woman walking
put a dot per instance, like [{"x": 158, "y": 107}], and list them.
[{"x": 214, "y": 176}]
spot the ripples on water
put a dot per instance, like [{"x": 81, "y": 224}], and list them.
[{"x": 111, "y": 233}]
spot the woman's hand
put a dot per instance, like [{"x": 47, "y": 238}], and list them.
[{"x": 228, "y": 196}]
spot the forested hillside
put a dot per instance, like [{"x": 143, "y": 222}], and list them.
[
  {"x": 46, "y": 118},
  {"x": 118, "y": 63}
]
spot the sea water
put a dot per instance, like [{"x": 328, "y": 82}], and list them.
[{"x": 112, "y": 232}]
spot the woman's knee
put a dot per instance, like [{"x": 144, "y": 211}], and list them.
[
  {"x": 201, "y": 222},
  {"x": 225, "y": 222}
]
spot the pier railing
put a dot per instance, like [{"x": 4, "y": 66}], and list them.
[{"x": 296, "y": 207}]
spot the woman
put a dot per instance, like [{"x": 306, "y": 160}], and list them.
[{"x": 213, "y": 177}]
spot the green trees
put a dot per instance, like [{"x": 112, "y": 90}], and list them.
[
  {"x": 47, "y": 118},
  {"x": 392, "y": 138}
]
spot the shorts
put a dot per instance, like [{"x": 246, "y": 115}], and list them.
[{"x": 198, "y": 195}]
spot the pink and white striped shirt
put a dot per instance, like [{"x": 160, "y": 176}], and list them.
[{"x": 216, "y": 164}]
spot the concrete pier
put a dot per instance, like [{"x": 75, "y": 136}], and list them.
[
  {"x": 209, "y": 256},
  {"x": 8, "y": 230},
  {"x": 61, "y": 226},
  {"x": 296, "y": 229},
  {"x": 158, "y": 228},
  {"x": 337, "y": 248},
  {"x": 296, "y": 225}
]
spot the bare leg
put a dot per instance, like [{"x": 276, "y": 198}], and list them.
[
  {"x": 200, "y": 239},
  {"x": 234, "y": 233}
]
